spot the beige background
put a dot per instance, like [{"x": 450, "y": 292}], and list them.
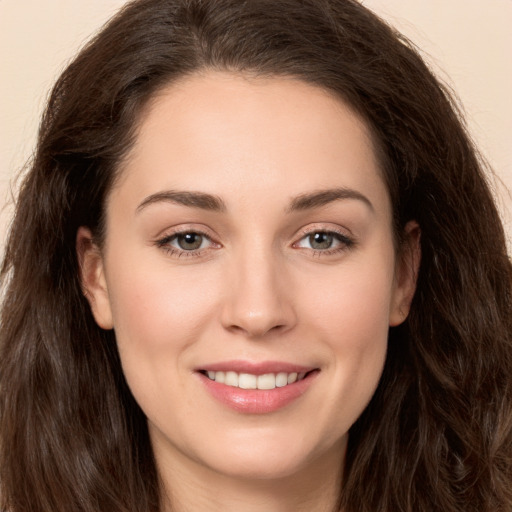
[{"x": 467, "y": 42}]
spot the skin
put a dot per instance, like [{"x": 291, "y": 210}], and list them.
[{"x": 257, "y": 289}]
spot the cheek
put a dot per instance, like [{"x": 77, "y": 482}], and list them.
[
  {"x": 155, "y": 306},
  {"x": 355, "y": 325},
  {"x": 350, "y": 317},
  {"x": 158, "y": 315},
  {"x": 353, "y": 304}
]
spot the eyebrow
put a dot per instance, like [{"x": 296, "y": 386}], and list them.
[
  {"x": 192, "y": 199},
  {"x": 214, "y": 203},
  {"x": 324, "y": 197}
]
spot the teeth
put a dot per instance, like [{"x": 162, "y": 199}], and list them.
[
  {"x": 247, "y": 381},
  {"x": 292, "y": 377},
  {"x": 281, "y": 379},
  {"x": 250, "y": 381},
  {"x": 267, "y": 381},
  {"x": 231, "y": 379}
]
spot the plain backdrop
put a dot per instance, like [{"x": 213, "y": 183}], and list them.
[{"x": 468, "y": 43}]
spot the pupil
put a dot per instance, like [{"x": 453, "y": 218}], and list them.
[
  {"x": 190, "y": 241},
  {"x": 321, "y": 240}
]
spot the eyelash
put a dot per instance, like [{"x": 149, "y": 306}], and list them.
[{"x": 345, "y": 242}]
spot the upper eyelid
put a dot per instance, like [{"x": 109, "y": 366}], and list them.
[
  {"x": 322, "y": 228},
  {"x": 325, "y": 231},
  {"x": 162, "y": 241},
  {"x": 341, "y": 237},
  {"x": 180, "y": 230}
]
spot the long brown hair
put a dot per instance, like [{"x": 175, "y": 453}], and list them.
[{"x": 437, "y": 435}]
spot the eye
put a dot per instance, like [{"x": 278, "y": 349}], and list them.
[
  {"x": 319, "y": 241},
  {"x": 325, "y": 241},
  {"x": 187, "y": 243}
]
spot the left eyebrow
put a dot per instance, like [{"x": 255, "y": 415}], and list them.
[{"x": 324, "y": 197}]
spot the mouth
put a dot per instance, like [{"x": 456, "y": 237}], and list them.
[
  {"x": 266, "y": 381},
  {"x": 257, "y": 388}
]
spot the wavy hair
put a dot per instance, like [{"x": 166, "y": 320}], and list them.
[{"x": 437, "y": 435}]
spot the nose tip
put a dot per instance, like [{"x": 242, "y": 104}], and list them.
[
  {"x": 257, "y": 323},
  {"x": 258, "y": 303}
]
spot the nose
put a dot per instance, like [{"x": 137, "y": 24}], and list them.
[{"x": 258, "y": 300}]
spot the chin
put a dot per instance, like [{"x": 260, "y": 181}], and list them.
[{"x": 274, "y": 457}]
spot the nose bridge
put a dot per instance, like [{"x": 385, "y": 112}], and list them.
[{"x": 257, "y": 300}]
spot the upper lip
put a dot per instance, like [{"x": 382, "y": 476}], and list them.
[{"x": 256, "y": 368}]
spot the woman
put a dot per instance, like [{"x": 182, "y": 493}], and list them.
[{"x": 255, "y": 266}]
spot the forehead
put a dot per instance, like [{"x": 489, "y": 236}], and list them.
[{"x": 221, "y": 133}]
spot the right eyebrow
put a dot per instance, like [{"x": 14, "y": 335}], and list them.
[{"x": 192, "y": 199}]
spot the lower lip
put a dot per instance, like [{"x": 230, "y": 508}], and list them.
[{"x": 258, "y": 401}]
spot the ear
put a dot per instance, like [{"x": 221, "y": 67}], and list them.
[
  {"x": 92, "y": 277},
  {"x": 406, "y": 274}
]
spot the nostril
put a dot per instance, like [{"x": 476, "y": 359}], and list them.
[{"x": 256, "y": 331}]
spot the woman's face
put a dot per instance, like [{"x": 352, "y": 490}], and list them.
[{"x": 249, "y": 245}]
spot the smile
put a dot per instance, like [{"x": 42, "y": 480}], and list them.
[
  {"x": 250, "y": 381},
  {"x": 256, "y": 388}
]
